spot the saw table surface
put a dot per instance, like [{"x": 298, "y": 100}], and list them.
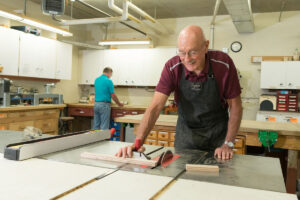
[
  {"x": 244, "y": 170},
  {"x": 195, "y": 190},
  {"x": 121, "y": 185},
  {"x": 42, "y": 179}
]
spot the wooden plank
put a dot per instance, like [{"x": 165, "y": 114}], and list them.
[
  {"x": 113, "y": 106},
  {"x": 195, "y": 190},
  {"x": 283, "y": 142},
  {"x": 19, "y": 108},
  {"x": 280, "y": 127},
  {"x": 292, "y": 167},
  {"x": 201, "y": 168},
  {"x": 292, "y": 129},
  {"x": 106, "y": 157}
]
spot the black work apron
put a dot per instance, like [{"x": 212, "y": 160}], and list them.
[{"x": 202, "y": 120}]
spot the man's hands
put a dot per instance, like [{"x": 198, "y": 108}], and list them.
[
  {"x": 126, "y": 152},
  {"x": 224, "y": 152},
  {"x": 120, "y": 104}
]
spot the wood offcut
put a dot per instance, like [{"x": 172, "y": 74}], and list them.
[
  {"x": 201, "y": 168},
  {"x": 106, "y": 157}
]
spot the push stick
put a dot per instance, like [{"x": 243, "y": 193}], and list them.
[
  {"x": 201, "y": 168},
  {"x": 106, "y": 157}
]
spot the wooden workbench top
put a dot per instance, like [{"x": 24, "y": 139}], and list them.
[
  {"x": 113, "y": 106},
  {"x": 25, "y": 108},
  {"x": 292, "y": 129}
]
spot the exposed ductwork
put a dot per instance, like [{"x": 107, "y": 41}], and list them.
[
  {"x": 156, "y": 26},
  {"x": 241, "y": 14}
]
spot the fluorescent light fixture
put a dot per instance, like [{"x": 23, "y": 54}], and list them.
[
  {"x": 125, "y": 42},
  {"x": 31, "y": 22},
  {"x": 10, "y": 16},
  {"x": 46, "y": 27}
]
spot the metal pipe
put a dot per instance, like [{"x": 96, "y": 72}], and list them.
[
  {"x": 141, "y": 12},
  {"x": 101, "y": 11},
  {"x": 212, "y": 25},
  {"x": 111, "y": 5}
]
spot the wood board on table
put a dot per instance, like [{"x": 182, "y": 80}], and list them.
[
  {"x": 291, "y": 129},
  {"x": 121, "y": 185},
  {"x": 42, "y": 179},
  {"x": 195, "y": 190}
]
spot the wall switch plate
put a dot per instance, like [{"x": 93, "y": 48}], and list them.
[{"x": 225, "y": 50}]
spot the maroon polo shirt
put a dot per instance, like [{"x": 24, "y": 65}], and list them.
[{"x": 223, "y": 69}]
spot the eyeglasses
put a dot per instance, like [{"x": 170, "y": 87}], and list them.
[{"x": 191, "y": 53}]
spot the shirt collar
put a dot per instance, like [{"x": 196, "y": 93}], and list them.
[{"x": 204, "y": 72}]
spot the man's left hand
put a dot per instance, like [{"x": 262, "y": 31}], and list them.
[{"x": 224, "y": 152}]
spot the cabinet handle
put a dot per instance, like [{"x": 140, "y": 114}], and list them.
[
  {"x": 281, "y": 84},
  {"x": 290, "y": 84}
]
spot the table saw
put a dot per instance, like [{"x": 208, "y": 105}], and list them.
[{"x": 66, "y": 175}]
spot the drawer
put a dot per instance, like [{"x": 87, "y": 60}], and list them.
[
  {"x": 171, "y": 144},
  {"x": 48, "y": 125},
  {"x": 3, "y": 127},
  {"x": 20, "y": 126},
  {"x": 81, "y": 112},
  {"x": 162, "y": 135},
  {"x": 152, "y": 135},
  {"x": 172, "y": 136},
  {"x": 163, "y": 143},
  {"x": 50, "y": 112},
  {"x": 21, "y": 114},
  {"x": 238, "y": 151},
  {"x": 239, "y": 143},
  {"x": 150, "y": 142},
  {"x": 133, "y": 112},
  {"x": 3, "y": 115}
]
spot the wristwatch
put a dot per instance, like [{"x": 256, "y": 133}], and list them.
[{"x": 229, "y": 143}]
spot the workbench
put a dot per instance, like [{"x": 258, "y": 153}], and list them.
[
  {"x": 65, "y": 175},
  {"x": 85, "y": 112},
  {"x": 288, "y": 138},
  {"x": 44, "y": 117}
]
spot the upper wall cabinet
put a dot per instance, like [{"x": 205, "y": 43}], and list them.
[
  {"x": 37, "y": 56},
  {"x": 90, "y": 66},
  {"x": 280, "y": 75},
  {"x": 9, "y": 51},
  {"x": 64, "y": 61},
  {"x": 131, "y": 67}
]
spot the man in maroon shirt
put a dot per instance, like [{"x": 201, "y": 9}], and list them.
[{"x": 206, "y": 87}]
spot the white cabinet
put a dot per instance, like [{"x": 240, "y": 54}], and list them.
[
  {"x": 90, "y": 66},
  {"x": 280, "y": 75},
  {"x": 131, "y": 67},
  {"x": 37, "y": 56},
  {"x": 9, "y": 51},
  {"x": 63, "y": 61}
]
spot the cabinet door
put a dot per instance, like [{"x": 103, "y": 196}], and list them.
[
  {"x": 63, "y": 61},
  {"x": 9, "y": 51},
  {"x": 90, "y": 66},
  {"x": 273, "y": 75},
  {"x": 292, "y": 74},
  {"x": 37, "y": 56}
]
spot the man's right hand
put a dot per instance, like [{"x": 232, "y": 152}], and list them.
[
  {"x": 126, "y": 152},
  {"x": 120, "y": 104}
]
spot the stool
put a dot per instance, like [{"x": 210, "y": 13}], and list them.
[{"x": 66, "y": 125}]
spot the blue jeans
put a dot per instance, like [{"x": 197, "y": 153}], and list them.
[{"x": 101, "y": 115}]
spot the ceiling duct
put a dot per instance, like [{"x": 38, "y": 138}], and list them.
[{"x": 241, "y": 14}]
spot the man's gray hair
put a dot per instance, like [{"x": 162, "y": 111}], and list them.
[{"x": 107, "y": 70}]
